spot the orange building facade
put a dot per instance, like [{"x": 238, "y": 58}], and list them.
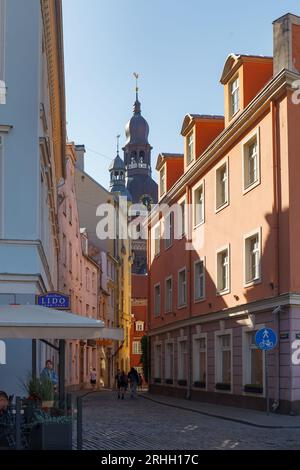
[{"x": 234, "y": 268}]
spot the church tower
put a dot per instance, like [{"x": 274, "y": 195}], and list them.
[{"x": 137, "y": 158}]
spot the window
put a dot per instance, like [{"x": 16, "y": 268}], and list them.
[
  {"x": 162, "y": 181},
  {"x": 169, "y": 362},
  {"x": 234, "y": 96},
  {"x": 136, "y": 347},
  {"x": 223, "y": 284},
  {"x": 157, "y": 362},
  {"x": 94, "y": 282},
  {"x": 182, "y": 288},
  {"x": 199, "y": 360},
  {"x": 157, "y": 240},
  {"x": 169, "y": 230},
  {"x": 139, "y": 326},
  {"x": 77, "y": 266},
  {"x": 182, "y": 360},
  {"x": 222, "y": 186},
  {"x": 157, "y": 300},
  {"x": 252, "y": 258},
  {"x": 87, "y": 279},
  {"x": 190, "y": 148},
  {"x": 223, "y": 359},
  {"x": 199, "y": 280},
  {"x": 199, "y": 205},
  {"x": 169, "y": 295},
  {"x": 253, "y": 363},
  {"x": 2, "y": 52},
  {"x": 70, "y": 214},
  {"x": 87, "y": 310},
  {"x": 251, "y": 163}
]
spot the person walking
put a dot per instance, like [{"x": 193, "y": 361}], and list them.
[
  {"x": 121, "y": 380},
  {"x": 133, "y": 378},
  {"x": 93, "y": 378}
]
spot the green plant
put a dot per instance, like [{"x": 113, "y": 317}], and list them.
[
  {"x": 47, "y": 389},
  {"x": 42, "y": 417},
  {"x": 145, "y": 357},
  {"x": 32, "y": 385}
]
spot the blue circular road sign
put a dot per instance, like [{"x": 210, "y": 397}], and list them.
[{"x": 266, "y": 339}]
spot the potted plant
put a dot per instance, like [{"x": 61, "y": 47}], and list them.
[
  {"x": 223, "y": 386},
  {"x": 169, "y": 381},
  {"x": 200, "y": 384},
  {"x": 182, "y": 382},
  {"x": 253, "y": 388},
  {"x": 47, "y": 392},
  {"x": 51, "y": 432}
]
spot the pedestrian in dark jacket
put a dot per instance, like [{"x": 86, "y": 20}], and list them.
[
  {"x": 121, "y": 379},
  {"x": 133, "y": 378}
]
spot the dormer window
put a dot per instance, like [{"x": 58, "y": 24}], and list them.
[
  {"x": 189, "y": 148},
  {"x": 234, "y": 96},
  {"x": 162, "y": 182}
]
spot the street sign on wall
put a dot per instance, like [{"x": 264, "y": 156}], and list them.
[
  {"x": 266, "y": 339},
  {"x": 54, "y": 300}
]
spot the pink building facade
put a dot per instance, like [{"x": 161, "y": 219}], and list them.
[
  {"x": 79, "y": 276},
  {"x": 241, "y": 272}
]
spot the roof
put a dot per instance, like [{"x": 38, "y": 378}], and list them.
[
  {"x": 36, "y": 322},
  {"x": 167, "y": 156},
  {"x": 189, "y": 118},
  {"x": 234, "y": 60}
]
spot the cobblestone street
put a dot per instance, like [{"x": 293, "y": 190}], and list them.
[{"x": 111, "y": 424}]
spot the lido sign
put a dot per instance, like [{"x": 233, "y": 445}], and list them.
[{"x": 54, "y": 300}]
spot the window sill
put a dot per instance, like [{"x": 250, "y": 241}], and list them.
[
  {"x": 180, "y": 307},
  {"x": 168, "y": 247},
  {"x": 182, "y": 382},
  {"x": 199, "y": 224},
  {"x": 252, "y": 186},
  {"x": 253, "y": 389},
  {"x": 252, "y": 283},
  {"x": 223, "y": 292},
  {"x": 200, "y": 300},
  {"x": 220, "y": 208}
]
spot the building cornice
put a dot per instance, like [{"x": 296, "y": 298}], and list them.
[{"x": 284, "y": 300}]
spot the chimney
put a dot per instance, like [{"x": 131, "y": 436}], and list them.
[
  {"x": 286, "y": 43},
  {"x": 80, "y": 151}
]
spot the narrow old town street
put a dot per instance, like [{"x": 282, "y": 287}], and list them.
[{"x": 112, "y": 424}]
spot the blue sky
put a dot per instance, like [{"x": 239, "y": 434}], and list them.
[{"x": 179, "y": 48}]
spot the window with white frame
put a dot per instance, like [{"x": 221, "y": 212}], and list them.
[
  {"x": 157, "y": 300},
  {"x": 234, "y": 96},
  {"x": 64, "y": 249},
  {"x": 190, "y": 148},
  {"x": 222, "y": 186},
  {"x": 162, "y": 180},
  {"x": 223, "y": 281},
  {"x": 70, "y": 257},
  {"x": 136, "y": 347},
  {"x": 157, "y": 240},
  {"x": 199, "y": 278},
  {"x": 199, "y": 360},
  {"x": 199, "y": 205},
  {"x": 182, "y": 288},
  {"x": 139, "y": 326},
  {"x": 253, "y": 364},
  {"x": 223, "y": 359},
  {"x": 157, "y": 362},
  {"x": 169, "y": 295},
  {"x": 2, "y": 52},
  {"x": 168, "y": 229},
  {"x": 169, "y": 361},
  {"x": 251, "y": 163},
  {"x": 182, "y": 360},
  {"x": 252, "y": 258}
]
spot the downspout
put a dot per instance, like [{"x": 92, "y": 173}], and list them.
[
  {"x": 276, "y": 208},
  {"x": 189, "y": 279}
]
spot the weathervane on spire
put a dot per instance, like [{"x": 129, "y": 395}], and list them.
[
  {"x": 118, "y": 139},
  {"x": 136, "y": 75}
]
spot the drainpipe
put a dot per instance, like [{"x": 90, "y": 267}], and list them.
[
  {"x": 276, "y": 189},
  {"x": 189, "y": 279}
]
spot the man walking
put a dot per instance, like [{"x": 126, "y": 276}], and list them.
[{"x": 133, "y": 378}]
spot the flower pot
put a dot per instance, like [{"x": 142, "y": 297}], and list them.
[
  {"x": 51, "y": 436},
  {"x": 47, "y": 403}
]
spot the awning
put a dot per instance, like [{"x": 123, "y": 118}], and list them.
[{"x": 35, "y": 322}]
